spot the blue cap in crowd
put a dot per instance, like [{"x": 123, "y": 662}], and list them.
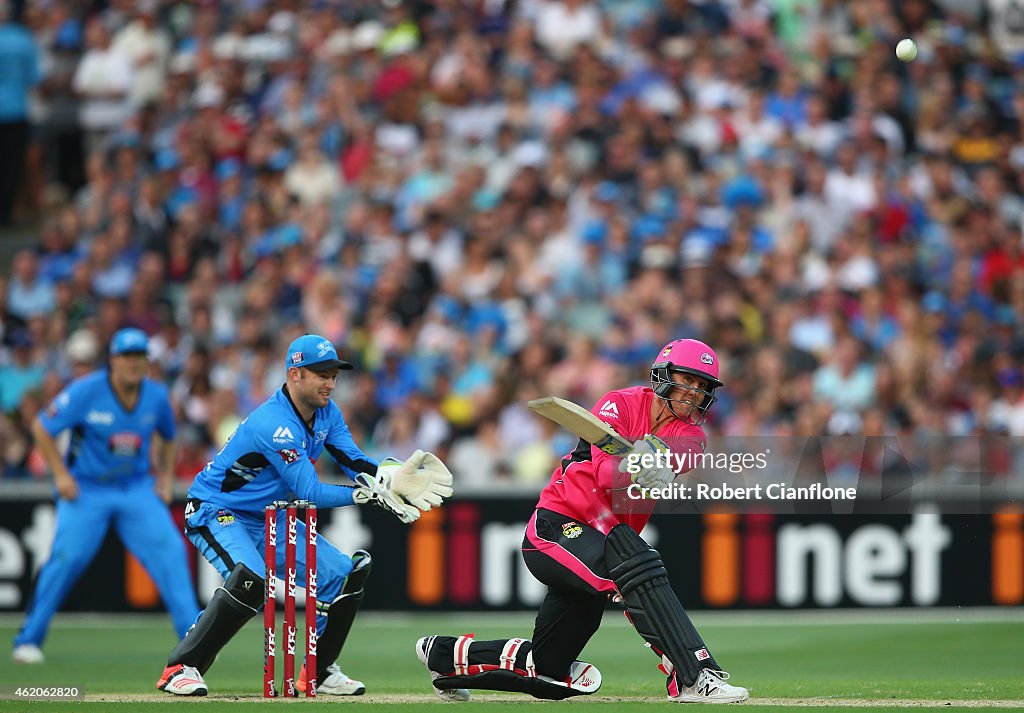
[
  {"x": 311, "y": 351},
  {"x": 129, "y": 341}
]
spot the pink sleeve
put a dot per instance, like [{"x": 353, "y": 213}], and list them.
[
  {"x": 691, "y": 440},
  {"x": 616, "y": 409}
]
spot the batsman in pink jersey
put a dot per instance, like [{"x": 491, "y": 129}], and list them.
[{"x": 583, "y": 542}]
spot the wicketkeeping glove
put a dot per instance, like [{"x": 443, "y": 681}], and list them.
[
  {"x": 654, "y": 476},
  {"x": 377, "y": 490},
  {"x": 423, "y": 480}
]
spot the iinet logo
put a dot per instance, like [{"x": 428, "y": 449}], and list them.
[
  {"x": 799, "y": 564},
  {"x": 458, "y": 558}
]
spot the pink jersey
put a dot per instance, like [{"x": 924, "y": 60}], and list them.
[{"x": 582, "y": 485}]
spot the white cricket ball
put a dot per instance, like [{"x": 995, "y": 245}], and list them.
[{"x": 906, "y": 50}]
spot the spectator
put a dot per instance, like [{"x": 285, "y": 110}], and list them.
[
  {"x": 28, "y": 294},
  {"x": 104, "y": 81},
  {"x": 474, "y": 201},
  {"x": 19, "y": 73},
  {"x": 21, "y": 374},
  {"x": 147, "y": 47}
]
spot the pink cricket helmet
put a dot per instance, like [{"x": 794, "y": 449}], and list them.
[{"x": 689, "y": 356}]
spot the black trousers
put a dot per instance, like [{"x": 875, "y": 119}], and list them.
[
  {"x": 13, "y": 145},
  {"x": 567, "y": 556}
]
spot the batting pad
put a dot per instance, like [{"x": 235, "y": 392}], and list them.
[
  {"x": 504, "y": 665},
  {"x": 652, "y": 606},
  {"x": 230, "y": 607},
  {"x": 342, "y": 612}
]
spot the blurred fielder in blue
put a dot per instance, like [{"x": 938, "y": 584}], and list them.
[{"x": 107, "y": 477}]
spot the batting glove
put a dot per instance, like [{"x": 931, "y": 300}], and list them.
[{"x": 657, "y": 473}]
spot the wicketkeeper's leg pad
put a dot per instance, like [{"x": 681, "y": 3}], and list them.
[
  {"x": 342, "y": 612},
  {"x": 652, "y": 606},
  {"x": 231, "y": 606},
  {"x": 504, "y": 665}
]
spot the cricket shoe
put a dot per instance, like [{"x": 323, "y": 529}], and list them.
[
  {"x": 27, "y": 654},
  {"x": 451, "y": 695},
  {"x": 335, "y": 683},
  {"x": 182, "y": 680},
  {"x": 710, "y": 687}
]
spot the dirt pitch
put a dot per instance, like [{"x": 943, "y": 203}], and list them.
[{"x": 398, "y": 699}]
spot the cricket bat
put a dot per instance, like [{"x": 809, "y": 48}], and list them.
[{"x": 584, "y": 424}]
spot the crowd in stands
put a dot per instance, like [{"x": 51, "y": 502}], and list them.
[{"x": 485, "y": 201}]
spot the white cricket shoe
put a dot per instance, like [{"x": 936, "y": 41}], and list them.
[
  {"x": 451, "y": 695},
  {"x": 337, "y": 683},
  {"x": 27, "y": 654},
  {"x": 182, "y": 680},
  {"x": 711, "y": 687}
]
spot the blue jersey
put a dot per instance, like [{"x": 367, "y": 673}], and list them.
[
  {"x": 270, "y": 457},
  {"x": 109, "y": 443},
  {"x": 19, "y": 71}
]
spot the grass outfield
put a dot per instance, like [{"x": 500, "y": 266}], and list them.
[{"x": 878, "y": 660}]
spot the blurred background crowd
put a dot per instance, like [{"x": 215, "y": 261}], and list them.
[{"x": 485, "y": 201}]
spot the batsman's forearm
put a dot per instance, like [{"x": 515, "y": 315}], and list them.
[{"x": 47, "y": 448}]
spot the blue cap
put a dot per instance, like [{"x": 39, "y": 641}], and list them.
[
  {"x": 486, "y": 199},
  {"x": 287, "y": 235},
  {"x": 311, "y": 351},
  {"x": 69, "y": 35},
  {"x": 607, "y": 191},
  {"x": 934, "y": 302},
  {"x": 279, "y": 160},
  {"x": 594, "y": 233},
  {"x": 1005, "y": 315},
  {"x": 648, "y": 226},
  {"x": 129, "y": 341},
  {"x": 166, "y": 160},
  {"x": 228, "y": 168}
]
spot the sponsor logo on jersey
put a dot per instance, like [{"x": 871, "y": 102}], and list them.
[
  {"x": 225, "y": 518},
  {"x": 125, "y": 445},
  {"x": 283, "y": 434},
  {"x": 610, "y": 409},
  {"x": 102, "y": 418},
  {"x": 62, "y": 400},
  {"x": 289, "y": 455},
  {"x": 707, "y": 358},
  {"x": 572, "y": 530}
]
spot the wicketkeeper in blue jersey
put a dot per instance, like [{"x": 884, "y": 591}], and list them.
[
  {"x": 106, "y": 477},
  {"x": 270, "y": 458}
]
